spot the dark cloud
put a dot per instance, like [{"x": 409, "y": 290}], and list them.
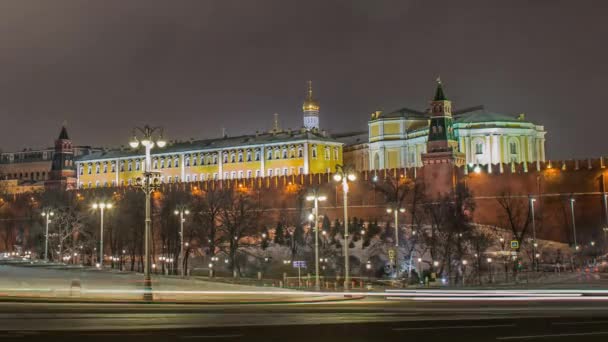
[{"x": 198, "y": 66}]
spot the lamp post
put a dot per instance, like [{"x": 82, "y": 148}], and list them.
[
  {"x": 101, "y": 206},
  {"x": 572, "y": 200},
  {"x": 396, "y": 210},
  {"x": 605, "y": 229},
  {"x": 181, "y": 211},
  {"x": 345, "y": 174},
  {"x": 151, "y": 181},
  {"x": 316, "y": 197},
  {"x": 534, "y": 244},
  {"x": 47, "y": 213}
]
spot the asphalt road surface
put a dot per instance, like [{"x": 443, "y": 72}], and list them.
[{"x": 355, "y": 320}]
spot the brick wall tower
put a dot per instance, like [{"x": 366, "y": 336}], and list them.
[
  {"x": 63, "y": 172},
  {"x": 442, "y": 157}
]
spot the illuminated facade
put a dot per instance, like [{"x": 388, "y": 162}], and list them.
[
  {"x": 274, "y": 153},
  {"x": 399, "y": 139}
]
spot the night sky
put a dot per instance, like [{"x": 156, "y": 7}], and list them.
[{"x": 197, "y": 66}]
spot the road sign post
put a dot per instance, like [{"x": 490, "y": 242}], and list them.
[{"x": 299, "y": 265}]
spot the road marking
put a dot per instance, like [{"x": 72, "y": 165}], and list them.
[
  {"x": 211, "y": 336},
  {"x": 457, "y": 327},
  {"x": 578, "y": 323},
  {"x": 529, "y": 337}
]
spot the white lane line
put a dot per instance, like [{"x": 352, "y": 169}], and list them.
[
  {"x": 211, "y": 336},
  {"x": 457, "y": 327},
  {"x": 529, "y": 337},
  {"x": 578, "y": 323}
]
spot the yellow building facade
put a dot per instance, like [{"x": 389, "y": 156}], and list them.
[
  {"x": 263, "y": 155},
  {"x": 274, "y": 153}
]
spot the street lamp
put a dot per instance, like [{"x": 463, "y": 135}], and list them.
[
  {"x": 149, "y": 136},
  {"x": 396, "y": 210},
  {"x": 345, "y": 174},
  {"x": 101, "y": 206},
  {"x": 316, "y": 197},
  {"x": 572, "y": 200},
  {"x": 181, "y": 211},
  {"x": 47, "y": 213},
  {"x": 605, "y": 230},
  {"x": 534, "y": 260}
]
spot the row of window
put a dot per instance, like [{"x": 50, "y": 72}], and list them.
[
  {"x": 25, "y": 175},
  {"x": 210, "y": 176},
  {"x": 207, "y": 159},
  {"x": 479, "y": 147}
]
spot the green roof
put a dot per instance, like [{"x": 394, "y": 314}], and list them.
[
  {"x": 404, "y": 112},
  {"x": 217, "y": 143},
  {"x": 481, "y": 115}
]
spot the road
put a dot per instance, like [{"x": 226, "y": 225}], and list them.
[{"x": 355, "y": 320}]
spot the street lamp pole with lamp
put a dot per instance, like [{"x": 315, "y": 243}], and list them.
[
  {"x": 47, "y": 213},
  {"x": 149, "y": 184},
  {"x": 316, "y": 197},
  {"x": 181, "y": 211},
  {"x": 101, "y": 206},
  {"x": 396, "y": 210},
  {"x": 345, "y": 174},
  {"x": 534, "y": 243},
  {"x": 572, "y": 200}
]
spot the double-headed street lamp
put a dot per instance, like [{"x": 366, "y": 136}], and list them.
[
  {"x": 345, "y": 174},
  {"x": 396, "y": 210},
  {"x": 181, "y": 211},
  {"x": 316, "y": 197},
  {"x": 149, "y": 137},
  {"x": 101, "y": 206},
  {"x": 47, "y": 213}
]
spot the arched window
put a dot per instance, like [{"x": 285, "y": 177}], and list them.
[
  {"x": 162, "y": 163},
  {"x": 479, "y": 148},
  {"x": 248, "y": 156},
  {"x": 240, "y": 157},
  {"x": 257, "y": 155},
  {"x": 137, "y": 165},
  {"x": 284, "y": 153},
  {"x": 155, "y": 164},
  {"x": 376, "y": 161},
  {"x": 97, "y": 168},
  {"x": 187, "y": 161},
  {"x": 105, "y": 167},
  {"x": 176, "y": 162},
  {"x": 269, "y": 155},
  {"x": 194, "y": 159},
  {"x": 300, "y": 152}
]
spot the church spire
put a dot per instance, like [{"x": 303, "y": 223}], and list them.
[{"x": 310, "y": 107}]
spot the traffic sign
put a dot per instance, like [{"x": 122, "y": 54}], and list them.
[
  {"x": 514, "y": 244},
  {"x": 299, "y": 264},
  {"x": 391, "y": 254}
]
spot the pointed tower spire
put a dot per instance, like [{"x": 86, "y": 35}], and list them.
[
  {"x": 310, "y": 107},
  {"x": 63, "y": 135},
  {"x": 439, "y": 95}
]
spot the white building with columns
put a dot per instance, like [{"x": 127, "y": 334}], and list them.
[{"x": 398, "y": 139}]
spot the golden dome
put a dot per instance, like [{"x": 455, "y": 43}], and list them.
[{"x": 310, "y": 104}]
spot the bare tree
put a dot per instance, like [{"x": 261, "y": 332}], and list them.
[{"x": 240, "y": 218}]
